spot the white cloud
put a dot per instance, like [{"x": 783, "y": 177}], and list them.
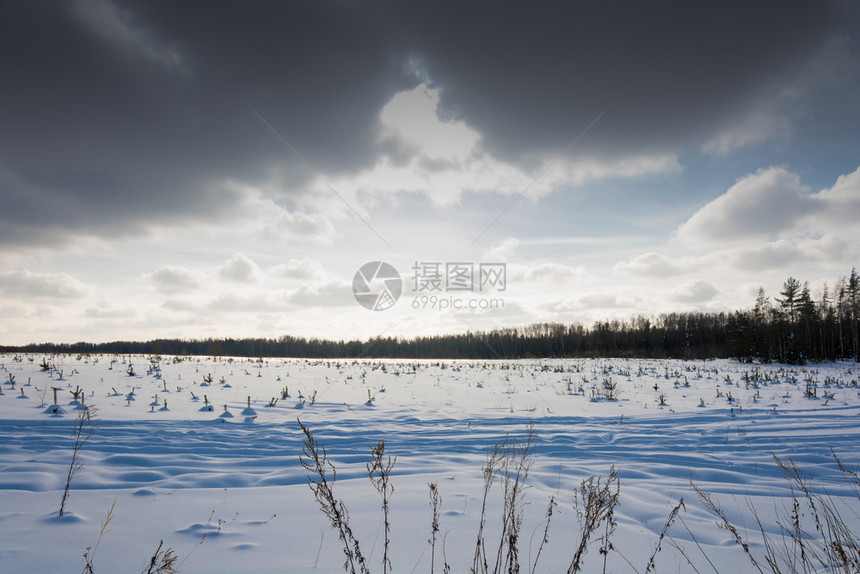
[
  {"x": 773, "y": 255},
  {"x": 107, "y": 309},
  {"x": 182, "y": 305},
  {"x": 597, "y": 301},
  {"x": 605, "y": 301},
  {"x": 695, "y": 291},
  {"x": 758, "y": 127},
  {"x": 13, "y": 311},
  {"x": 769, "y": 221},
  {"x": 649, "y": 265},
  {"x": 285, "y": 224},
  {"x": 239, "y": 269},
  {"x": 768, "y": 202},
  {"x": 249, "y": 301},
  {"x": 444, "y": 159},
  {"x": 302, "y": 269},
  {"x": 841, "y": 203},
  {"x": 26, "y": 283},
  {"x": 258, "y": 209},
  {"x": 333, "y": 293},
  {"x": 580, "y": 171},
  {"x": 412, "y": 118},
  {"x": 445, "y": 182},
  {"x": 754, "y": 256},
  {"x": 502, "y": 251},
  {"x": 170, "y": 279},
  {"x": 549, "y": 273}
]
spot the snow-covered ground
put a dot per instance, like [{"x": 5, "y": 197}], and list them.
[{"x": 178, "y": 470}]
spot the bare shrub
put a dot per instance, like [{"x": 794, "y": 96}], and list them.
[
  {"x": 379, "y": 471},
  {"x": 162, "y": 561},
  {"x": 595, "y": 504}
]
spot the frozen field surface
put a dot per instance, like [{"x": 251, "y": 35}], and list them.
[{"x": 198, "y": 446}]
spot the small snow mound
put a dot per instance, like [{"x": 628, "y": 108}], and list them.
[
  {"x": 199, "y": 529},
  {"x": 66, "y": 518},
  {"x": 206, "y": 409},
  {"x": 249, "y": 412},
  {"x": 55, "y": 410},
  {"x": 226, "y": 415},
  {"x": 144, "y": 492}
]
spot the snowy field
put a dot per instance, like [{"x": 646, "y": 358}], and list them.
[{"x": 194, "y": 447}]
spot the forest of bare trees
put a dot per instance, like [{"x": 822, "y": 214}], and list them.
[{"x": 793, "y": 327}]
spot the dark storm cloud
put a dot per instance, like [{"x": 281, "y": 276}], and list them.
[
  {"x": 671, "y": 72},
  {"x": 117, "y": 115}
]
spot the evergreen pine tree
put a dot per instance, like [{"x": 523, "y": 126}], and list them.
[{"x": 853, "y": 296}]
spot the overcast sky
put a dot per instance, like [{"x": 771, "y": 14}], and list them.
[{"x": 223, "y": 169}]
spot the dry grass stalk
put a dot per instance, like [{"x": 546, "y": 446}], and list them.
[
  {"x": 321, "y": 475},
  {"x": 435, "y": 501},
  {"x": 479, "y": 563},
  {"x": 549, "y": 511},
  {"x": 90, "y": 552},
  {"x": 672, "y": 515},
  {"x": 84, "y": 427}
]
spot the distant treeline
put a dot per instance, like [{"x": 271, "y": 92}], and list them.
[
  {"x": 685, "y": 335},
  {"x": 793, "y": 328}
]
